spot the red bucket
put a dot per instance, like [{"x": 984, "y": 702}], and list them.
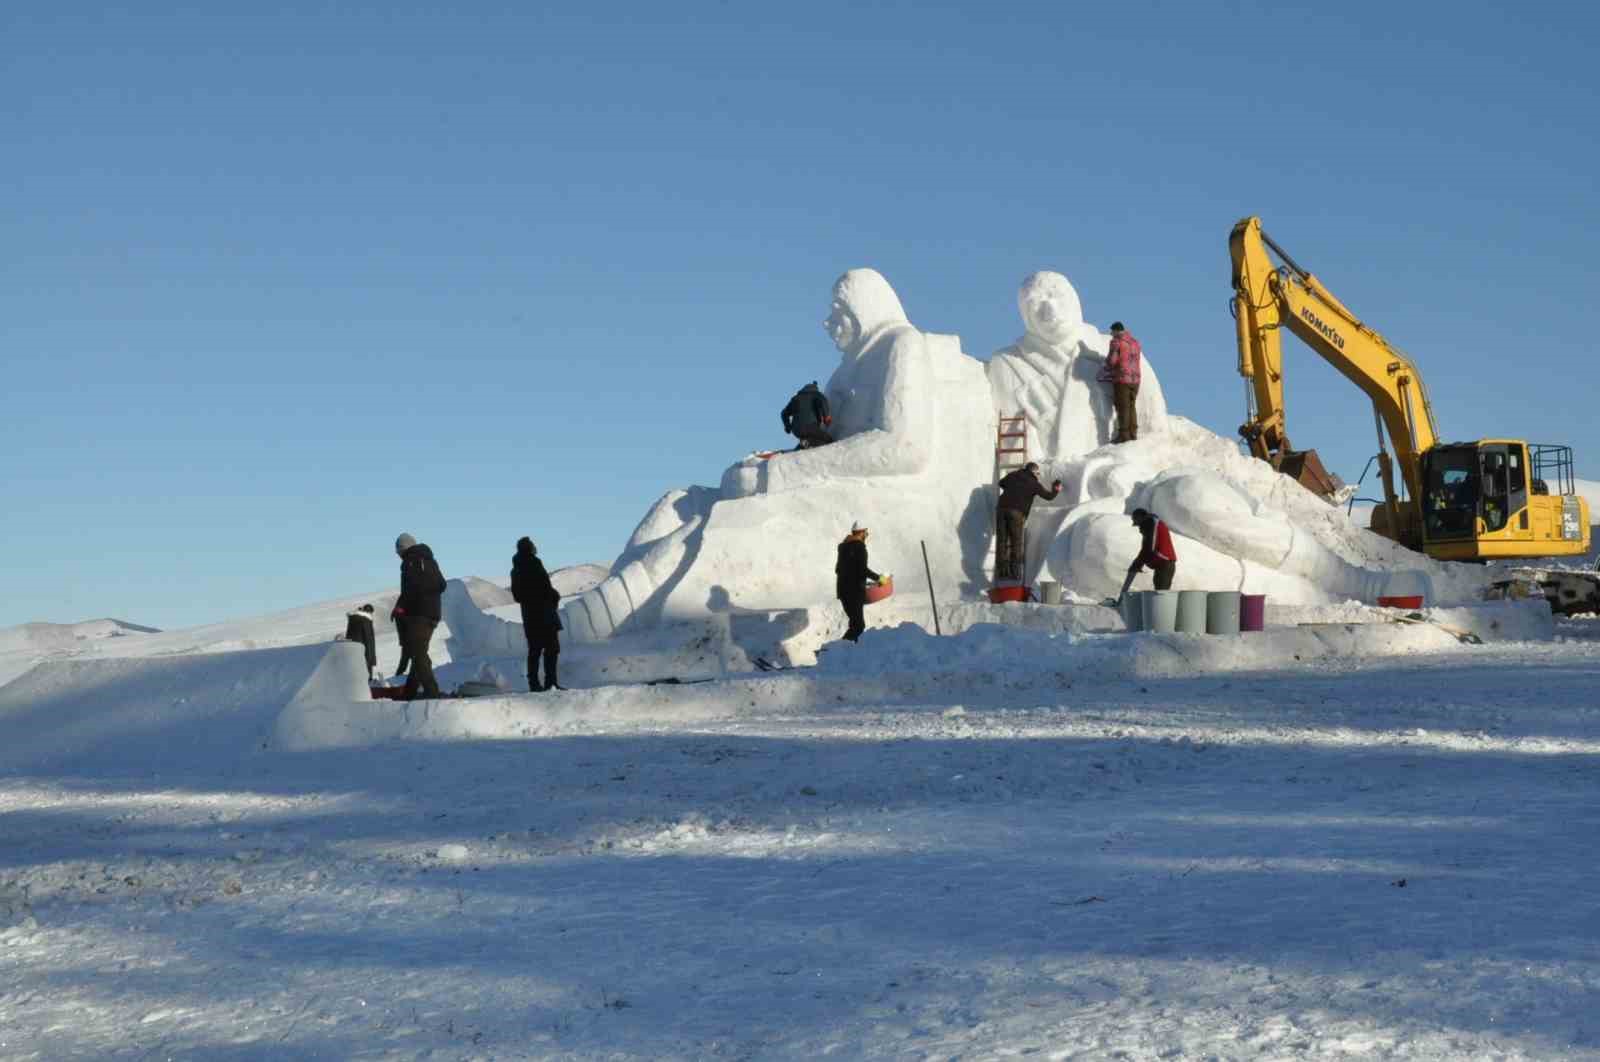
[
  {"x": 388, "y": 693},
  {"x": 1408, "y": 601},
  {"x": 1002, "y": 594},
  {"x": 882, "y": 590}
]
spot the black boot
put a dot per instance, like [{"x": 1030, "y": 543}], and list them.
[{"x": 550, "y": 682}]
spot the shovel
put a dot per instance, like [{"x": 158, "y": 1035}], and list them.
[{"x": 1116, "y": 602}]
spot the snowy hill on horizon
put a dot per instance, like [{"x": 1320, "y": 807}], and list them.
[{"x": 41, "y": 635}]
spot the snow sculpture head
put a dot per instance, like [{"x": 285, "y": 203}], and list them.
[
  {"x": 863, "y": 304},
  {"x": 1050, "y": 307}
]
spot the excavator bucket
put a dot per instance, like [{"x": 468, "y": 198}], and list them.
[{"x": 1305, "y": 468}]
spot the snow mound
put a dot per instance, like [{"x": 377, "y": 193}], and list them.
[
  {"x": 578, "y": 578},
  {"x": 147, "y": 713},
  {"x": 50, "y": 636}
]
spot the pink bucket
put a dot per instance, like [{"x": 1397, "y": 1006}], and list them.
[{"x": 1252, "y": 612}]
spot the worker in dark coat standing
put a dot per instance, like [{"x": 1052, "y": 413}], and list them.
[
  {"x": 1017, "y": 491},
  {"x": 417, "y": 610},
  {"x": 541, "y": 614},
  {"x": 1155, "y": 549},
  {"x": 851, "y": 575},
  {"x": 358, "y": 628},
  {"x": 808, "y": 418}
]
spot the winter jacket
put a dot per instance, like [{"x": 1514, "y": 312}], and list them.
[
  {"x": 532, "y": 589},
  {"x": 1124, "y": 362},
  {"x": 1019, "y": 488},
  {"x": 421, "y": 583},
  {"x": 806, "y": 412},
  {"x": 1157, "y": 545},
  {"x": 851, "y": 572},
  {"x": 358, "y": 628}
]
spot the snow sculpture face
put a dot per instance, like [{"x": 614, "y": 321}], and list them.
[
  {"x": 863, "y": 303},
  {"x": 1050, "y": 307}
]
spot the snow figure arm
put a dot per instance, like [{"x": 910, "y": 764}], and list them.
[{"x": 886, "y": 424}]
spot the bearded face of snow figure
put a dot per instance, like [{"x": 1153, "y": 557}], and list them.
[
  {"x": 842, "y": 326},
  {"x": 863, "y": 305},
  {"x": 1050, "y": 308}
]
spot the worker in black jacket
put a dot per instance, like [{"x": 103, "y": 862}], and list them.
[
  {"x": 851, "y": 575},
  {"x": 807, "y": 417},
  {"x": 1017, "y": 491},
  {"x": 358, "y": 628},
  {"x": 421, "y": 587},
  {"x": 541, "y": 613}
]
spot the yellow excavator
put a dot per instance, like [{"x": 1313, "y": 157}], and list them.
[{"x": 1466, "y": 501}]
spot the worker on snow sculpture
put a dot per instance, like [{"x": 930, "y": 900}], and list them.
[
  {"x": 851, "y": 575},
  {"x": 1155, "y": 551},
  {"x": 1051, "y": 375},
  {"x": 1123, "y": 372},
  {"x": 807, "y": 417},
  {"x": 1017, "y": 491}
]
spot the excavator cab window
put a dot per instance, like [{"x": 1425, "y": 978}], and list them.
[
  {"x": 1517, "y": 470},
  {"x": 1450, "y": 499},
  {"x": 1495, "y": 489}
]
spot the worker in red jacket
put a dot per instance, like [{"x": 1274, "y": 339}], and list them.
[{"x": 1156, "y": 552}]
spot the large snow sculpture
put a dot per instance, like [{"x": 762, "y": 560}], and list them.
[
  {"x": 1050, "y": 375},
  {"x": 914, "y": 424}
]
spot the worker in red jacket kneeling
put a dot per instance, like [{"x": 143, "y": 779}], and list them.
[{"x": 1156, "y": 552}]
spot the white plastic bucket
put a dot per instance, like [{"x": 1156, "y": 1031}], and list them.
[
  {"x": 1192, "y": 611},
  {"x": 1222, "y": 612},
  {"x": 1160, "y": 610},
  {"x": 1049, "y": 593},
  {"x": 1133, "y": 610}
]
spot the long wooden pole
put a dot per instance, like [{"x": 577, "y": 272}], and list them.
[{"x": 929, "y": 573}]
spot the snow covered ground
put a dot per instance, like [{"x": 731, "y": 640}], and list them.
[{"x": 999, "y": 844}]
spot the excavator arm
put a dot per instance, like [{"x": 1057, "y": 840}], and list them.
[{"x": 1270, "y": 298}]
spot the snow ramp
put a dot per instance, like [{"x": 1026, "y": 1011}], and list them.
[{"x": 146, "y": 712}]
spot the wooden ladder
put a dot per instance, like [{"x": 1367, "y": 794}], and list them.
[{"x": 1010, "y": 445}]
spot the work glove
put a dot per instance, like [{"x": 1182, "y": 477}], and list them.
[
  {"x": 827, "y": 422},
  {"x": 397, "y": 613}
]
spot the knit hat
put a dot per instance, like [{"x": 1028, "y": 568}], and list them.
[
  {"x": 404, "y": 542},
  {"x": 366, "y": 608},
  {"x": 525, "y": 545},
  {"x": 856, "y": 528},
  {"x": 1116, "y": 326}
]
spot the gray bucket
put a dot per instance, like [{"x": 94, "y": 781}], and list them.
[
  {"x": 1133, "y": 610},
  {"x": 1160, "y": 610},
  {"x": 1049, "y": 593},
  {"x": 1222, "y": 612},
  {"x": 1192, "y": 611}
]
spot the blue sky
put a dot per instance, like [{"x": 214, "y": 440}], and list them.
[{"x": 279, "y": 286}]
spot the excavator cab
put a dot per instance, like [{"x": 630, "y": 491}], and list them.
[{"x": 1491, "y": 499}]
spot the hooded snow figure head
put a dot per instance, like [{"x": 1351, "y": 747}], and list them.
[
  {"x": 863, "y": 305},
  {"x": 1050, "y": 307},
  {"x": 525, "y": 545}
]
